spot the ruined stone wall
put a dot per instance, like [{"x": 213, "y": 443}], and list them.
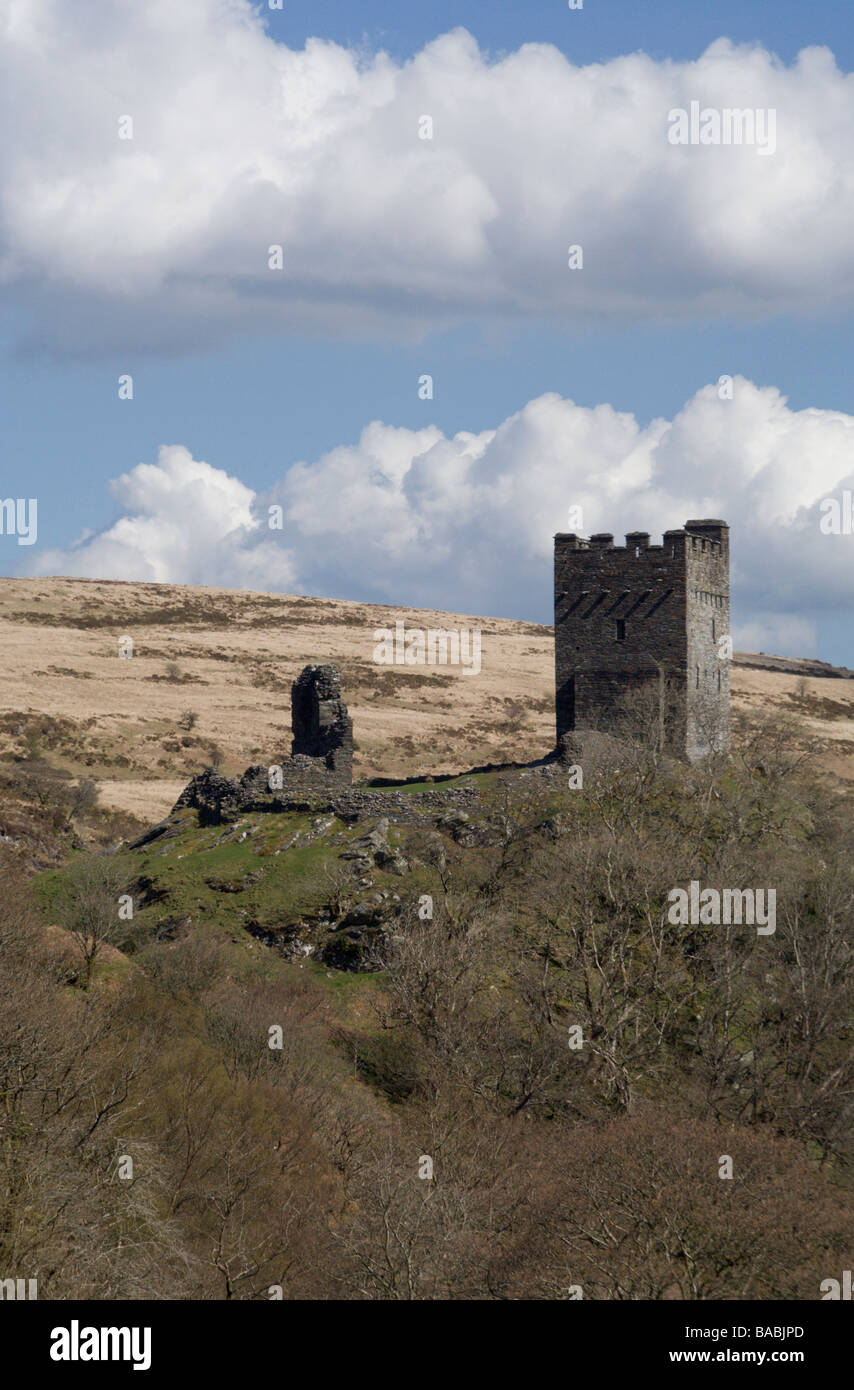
[
  {"x": 321, "y": 763},
  {"x": 322, "y": 728}
]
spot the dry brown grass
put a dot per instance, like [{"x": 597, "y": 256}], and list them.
[{"x": 230, "y": 657}]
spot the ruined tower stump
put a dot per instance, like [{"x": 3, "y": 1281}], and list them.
[{"x": 321, "y": 726}]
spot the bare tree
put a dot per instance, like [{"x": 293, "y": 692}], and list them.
[
  {"x": 84, "y": 798},
  {"x": 88, "y": 907}
]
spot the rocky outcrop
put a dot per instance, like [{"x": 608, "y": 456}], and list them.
[{"x": 374, "y": 849}]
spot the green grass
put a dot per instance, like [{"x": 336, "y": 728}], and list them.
[{"x": 272, "y": 878}]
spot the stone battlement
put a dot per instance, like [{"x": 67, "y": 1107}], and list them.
[{"x": 696, "y": 535}]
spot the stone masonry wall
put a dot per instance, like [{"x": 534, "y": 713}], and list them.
[
  {"x": 322, "y": 728},
  {"x": 708, "y": 620},
  {"x": 321, "y": 763},
  {"x": 633, "y": 628}
]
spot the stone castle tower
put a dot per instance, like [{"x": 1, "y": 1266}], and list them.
[{"x": 637, "y": 633}]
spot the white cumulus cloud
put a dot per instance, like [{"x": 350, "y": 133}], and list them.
[
  {"x": 411, "y": 517},
  {"x": 240, "y": 143},
  {"x": 183, "y": 522}
]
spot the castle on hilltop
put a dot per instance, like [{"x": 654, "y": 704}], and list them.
[
  {"x": 642, "y": 646},
  {"x": 642, "y": 635}
]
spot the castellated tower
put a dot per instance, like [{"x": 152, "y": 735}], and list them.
[{"x": 637, "y": 636}]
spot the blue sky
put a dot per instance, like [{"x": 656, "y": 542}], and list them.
[
  {"x": 252, "y": 394},
  {"x": 602, "y": 29}
]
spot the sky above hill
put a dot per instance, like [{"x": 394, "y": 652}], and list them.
[{"x": 425, "y": 378}]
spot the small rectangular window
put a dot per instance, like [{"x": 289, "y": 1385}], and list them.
[
  {"x": 621, "y": 629},
  {"x": 714, "y": 630}
]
